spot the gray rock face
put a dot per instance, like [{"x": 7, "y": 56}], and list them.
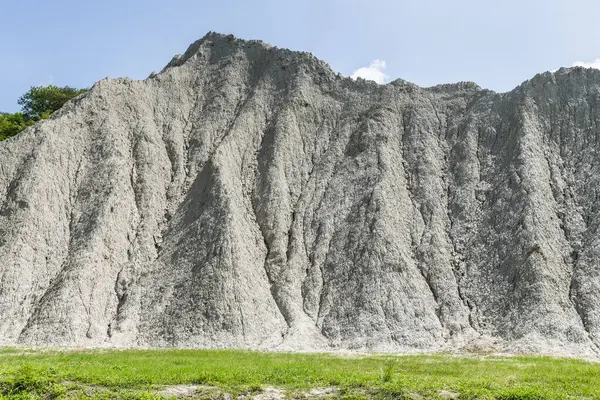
[{"x": 247, "y": 196}]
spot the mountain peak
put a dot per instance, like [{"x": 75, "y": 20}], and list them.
[{"x": 249, "y": 197}]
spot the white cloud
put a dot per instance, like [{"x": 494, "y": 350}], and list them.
[
  {"x": 374, "y": 72},
  {"x": 592, "y": 64}
]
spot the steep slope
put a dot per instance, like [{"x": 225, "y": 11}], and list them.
[{"x": 247, "y": 196}]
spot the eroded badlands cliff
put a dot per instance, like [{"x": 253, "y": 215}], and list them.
[{"x": 247, "y": 196}]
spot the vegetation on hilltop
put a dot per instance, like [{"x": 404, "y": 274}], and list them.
[
  {"x": 11, "y": 124},
  {"x": 37, "y": 104}
]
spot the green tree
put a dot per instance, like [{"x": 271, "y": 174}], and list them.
[
  {"x": 37, "y": 104},
  {"x": 41, "y": 101}
]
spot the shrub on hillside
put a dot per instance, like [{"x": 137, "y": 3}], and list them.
[{"x": 37, "y": 104}]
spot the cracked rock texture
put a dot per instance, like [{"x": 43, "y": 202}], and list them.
[{"x": 248, "y": 196}]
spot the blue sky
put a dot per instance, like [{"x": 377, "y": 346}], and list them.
[{"x": 496, "y": 44}]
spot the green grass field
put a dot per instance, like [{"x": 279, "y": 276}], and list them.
[{"x": 135, "y": 374}]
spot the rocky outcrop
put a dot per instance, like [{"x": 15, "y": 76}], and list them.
[{"x": 247, "y": 196}]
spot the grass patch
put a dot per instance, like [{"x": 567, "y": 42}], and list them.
[{"x": 137, "y": 374}]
